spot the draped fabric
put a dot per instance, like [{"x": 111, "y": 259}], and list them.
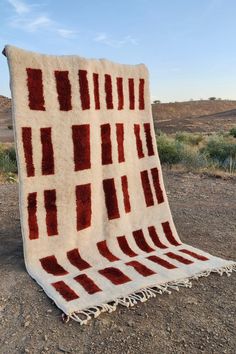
[{"x": 96, "y": 224}]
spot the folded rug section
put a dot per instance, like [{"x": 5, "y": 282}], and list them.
[{"x": 96, "y": 224}]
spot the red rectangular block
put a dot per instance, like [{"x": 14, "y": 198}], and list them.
[
  {"x": 108, "y": 91},
  {"x": 146, "y": 188},
  {"x": 169, "y": 234},
  {"x": 28, "y": 150},
  {"x": 32, "y": 216},
  {"x": 115, "y": 275},
  {"x": 87, "y": 283},
  {"x": 63, "y": 90},
  {"x": 120, "y": 141},
  {"x": 83, "y": 206},
  {"x": 65, "y": 291},
  {"x": 157, "y": 186},
  {"x": 81, "y": 144},
  {"x": 148, "y": 135},
  {"x": 35, "y": 89},
  {"x": 51, "y": 211},
  {"x": 106, "y": 144},
  {"x": 139, "y": 144},
  {"x": 124, "y": 183},
  {"x": 47, "y": 151},
  {"x": 96, "y": 90},
  {"x": 84, "y": 89},
  {"x": 131, "y": 94},
  {"x": 111, "y": 198},
  {"x": 120, "y": 92},
  {"x": 141, "y": 94}
]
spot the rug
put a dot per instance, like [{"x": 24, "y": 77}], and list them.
[{"x": 96, "y": 224}]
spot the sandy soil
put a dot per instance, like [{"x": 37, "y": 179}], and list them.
[{"x": 192, "y": 321}]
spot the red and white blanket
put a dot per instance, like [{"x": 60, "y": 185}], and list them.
[{"x": 95, "y": 219}]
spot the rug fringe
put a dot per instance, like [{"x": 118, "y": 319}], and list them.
[{"x": 142, "y": 295}]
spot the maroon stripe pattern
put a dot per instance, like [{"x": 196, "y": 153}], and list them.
[
  {"x": 81, "y": 144},
  {"x": 108, "y": 91},
  {"x": 140, "y": 268},
  {"x": 51, "y": 211},
  {"x": 115, "y": 275},
  {"x": 124, "y": 246},
  {"x": 63, "y": 89},
  {"x": 119, "y": 83},
  {"x": 141, "y": 94},
  {"x": 169, "y": 235},
  {"x": 178, "y": 258},
  {"x": 35, "y": 89},
  {"x": 146, "y": 188},
  {"x": 84, "y": 89},
  {"x": 65, "y": 291},
  {"x": 148, "y": 136},
  {"x": 194, "y": 255},
  {"x": 32, "y": 216},
  {"x": 51, "y": 266},
  {"x": 87, "y": 283},
  {"x": 141, "y": 242},
  {"x": 155, "y": 238},
  {"x": 124, "y": 183},
  {"x": 83, "y": 206},
  {"x": 131, "y": 94},
  {"x": 105, "y": 252},
  {"x": 139, "y": 144},
  {"x": 76, "y": 260},
  {"x": 96, "y": 90},
  {"x": 111, "y": 198},
  {"x": 47, "y": 151},
  {"x": 162, "y": 262},
  {"x": 106, "y": 144},
  {"x": 157, "y": 186},
  {"x": 28, "y": 150},
  {"x": 120, "y": 141}
]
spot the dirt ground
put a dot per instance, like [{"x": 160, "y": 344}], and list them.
[{"x": 191, "y": 321}]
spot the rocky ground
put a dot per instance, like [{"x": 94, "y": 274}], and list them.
[{"x": 192, "y": 321}]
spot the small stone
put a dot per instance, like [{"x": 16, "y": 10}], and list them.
[
  {"x": 49, "y": 311},
  {"x": 27, "y": 323},
  {"x": 130, "y": 323}
]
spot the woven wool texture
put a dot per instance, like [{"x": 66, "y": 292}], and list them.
[{"x": 95, "y": 218}]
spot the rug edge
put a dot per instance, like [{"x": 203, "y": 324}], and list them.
[{"x": 142, "y": 295}]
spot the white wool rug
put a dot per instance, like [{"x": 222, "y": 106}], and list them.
[{"x": 95, "y": 218}]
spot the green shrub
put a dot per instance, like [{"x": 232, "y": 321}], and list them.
[
  {"x": 8, "y": 160},
  {"x": 170, "y": 151},
  {"x": 188, "y": 138},
  {"x": 221, "y": 152},
  {"x": 233, "y": 132}
]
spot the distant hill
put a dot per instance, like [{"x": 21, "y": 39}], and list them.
[
  {"x": 202, "y": 116},
  {"x": 6, "y": 135},
  {"x": 193, "y": 116}
]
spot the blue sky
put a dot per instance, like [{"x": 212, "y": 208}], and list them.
[{"x": 188, "y": 45}]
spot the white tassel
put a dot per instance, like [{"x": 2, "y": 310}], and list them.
[{"x": 142, "y": 295}]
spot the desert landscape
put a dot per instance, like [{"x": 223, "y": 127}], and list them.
[{"x": 191, "y": 321}]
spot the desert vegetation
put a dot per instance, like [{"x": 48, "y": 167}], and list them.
[
  {"x": 198, "y": 152},
  {"x": 193, "y": 152},
  {"x": 8, "y": 165}
]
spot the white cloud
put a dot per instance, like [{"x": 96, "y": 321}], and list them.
[
  {"x": 33, "y": 24},
  {"x": 115, "y": 43},
  {"x": 28, "y": 19},
  {"x": 66, "y": 33},
  {"x": 19, "y": 6}
]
